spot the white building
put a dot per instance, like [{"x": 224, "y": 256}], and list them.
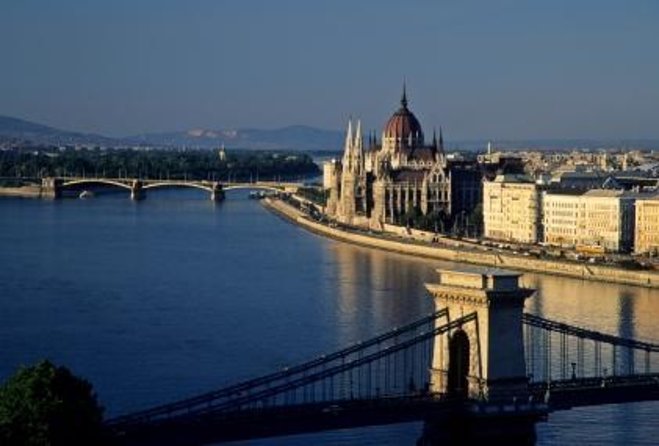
[
  {"x": 561, "y": 216},
  {"x": 597, "y": 218},
  {"x": 646, "y": 238},
  {"x": 511, "y": 209}
]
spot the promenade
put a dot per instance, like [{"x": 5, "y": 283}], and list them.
[{"x": 462, "y": 254}]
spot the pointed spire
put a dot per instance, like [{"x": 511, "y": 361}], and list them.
[
  {"x": 358, "y": 136},
  {"x": 349, "y": 134},
  {"x": 434, "y": 138},
  {"x": 403, "y": 99}
]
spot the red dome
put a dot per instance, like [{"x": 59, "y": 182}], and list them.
[{"x": 403, "y": 123}]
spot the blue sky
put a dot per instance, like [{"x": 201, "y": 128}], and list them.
[{"x": 481, "y": 69}]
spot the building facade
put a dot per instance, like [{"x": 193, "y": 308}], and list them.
[
  {"x": 595, "y": 219},
  {"x": 511, "y": 209},
  {"x": 646, "y": 240},
  {"x": 561, "y": 216},
  {"x": 516, "y": 210},
  {"x": 401, "y": 175}
]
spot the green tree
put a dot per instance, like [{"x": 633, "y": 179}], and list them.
[{"x": 46, "y": 405}]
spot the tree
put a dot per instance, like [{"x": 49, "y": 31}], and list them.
[
  {"x": 476, "y": 219},
  {"x": 47, "y": 405}
]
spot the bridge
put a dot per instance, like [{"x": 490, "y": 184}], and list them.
[
  {"x": 476, "y": 368},
  {"x": 52, "y": 187}
]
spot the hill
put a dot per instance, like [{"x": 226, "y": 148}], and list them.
[
  {"x": 19, "y": 130},
  {"x": 297, "y": 137}
]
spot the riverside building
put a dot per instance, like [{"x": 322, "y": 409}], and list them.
[
  {"x": 515, "y": 210},
  {"x": 383, "y": 181},
  {"x": 561, "y": 217},
  {"x": 646, "y": 239},
  {"x": 511, "y": 209},
  {"x": 595, "y": 219}
]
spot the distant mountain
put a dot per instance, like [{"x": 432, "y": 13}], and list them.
[
  {"x": 19, "y": 130},
  {"x": 297, "y": 137}
]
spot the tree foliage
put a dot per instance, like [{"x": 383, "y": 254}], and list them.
[
  {"x": 46, "y": 405},
  {"x": 173, "y": 164}
]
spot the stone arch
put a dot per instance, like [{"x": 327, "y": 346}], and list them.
[{"x": 458, "y": 364}]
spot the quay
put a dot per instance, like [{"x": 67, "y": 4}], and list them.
[{"x": 388, "y": 242}]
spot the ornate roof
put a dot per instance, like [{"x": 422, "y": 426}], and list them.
[{"x": 403, "y": 123}]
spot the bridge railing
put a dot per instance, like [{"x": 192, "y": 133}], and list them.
[
  {"x": 556, "y": 351},
  {"x": 393, "y": 363}
]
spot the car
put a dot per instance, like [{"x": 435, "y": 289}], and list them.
[{"x": 332, "y": 409}]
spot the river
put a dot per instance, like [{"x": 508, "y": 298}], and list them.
[{"x": 175, "y": 295}]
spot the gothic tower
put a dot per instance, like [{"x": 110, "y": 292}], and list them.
[{"x": 353, "y": 192}]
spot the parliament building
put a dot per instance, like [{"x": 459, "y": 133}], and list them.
[{"x": 400, "y": 175}]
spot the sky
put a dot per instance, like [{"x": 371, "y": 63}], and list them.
[{"x": 491, "y": 69}]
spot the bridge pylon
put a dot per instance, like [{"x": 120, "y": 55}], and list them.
[
  {"x": 51, "y": 187},
  {"x": 137, "y": 191},
  {"x": 217, "y": 191},
  {"x": 481, "y": 365},
  {"x": 484, "y": 359}
]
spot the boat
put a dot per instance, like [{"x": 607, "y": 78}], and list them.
[{"x": 86, "y": 194}]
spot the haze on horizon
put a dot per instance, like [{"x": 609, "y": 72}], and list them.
[{"x": 481, "y": 69}]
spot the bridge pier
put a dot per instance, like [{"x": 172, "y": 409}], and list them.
[
  {"x": 482, "y": 365},
  {"x": 217, "y": 192},
  {"x": 51, "y": 188},
  {"x": 137, "y": 191},
  {"x": 465, "y": 429}
]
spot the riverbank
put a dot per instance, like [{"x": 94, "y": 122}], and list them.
[
  {"x": 22, "y": 192},
  {"x": 584, "y": 271}
]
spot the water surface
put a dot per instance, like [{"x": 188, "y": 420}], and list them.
[{"x": 175, "y": 295}]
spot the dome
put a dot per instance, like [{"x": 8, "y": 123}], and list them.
[{"x": 403, "y": 123}]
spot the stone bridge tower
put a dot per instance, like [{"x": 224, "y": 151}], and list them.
[{"x": 484, "y": 358}]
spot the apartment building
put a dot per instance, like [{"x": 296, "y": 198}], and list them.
[
  {"x": 597, "y": 218},
  {"x": 511, "y": 209},
  {"x": 646, "y": 239}
]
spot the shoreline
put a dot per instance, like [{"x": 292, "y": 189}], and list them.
[
  {"x": 22, "y": 192},
  {"x": 645, "y": 279}
]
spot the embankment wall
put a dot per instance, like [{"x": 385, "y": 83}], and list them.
[{"x": 602, "y": 273}]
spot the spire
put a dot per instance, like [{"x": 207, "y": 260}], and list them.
[
  {"x": 349, "y": 135},
  {"x": 358, "y": 136},
  {"x": 434, "y": 138},
  {"x": 403, "y": 99}
]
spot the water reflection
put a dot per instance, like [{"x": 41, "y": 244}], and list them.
[{"x": 377, "y": 290}]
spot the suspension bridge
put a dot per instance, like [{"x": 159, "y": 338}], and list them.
[{"x": 476, "y": 367}]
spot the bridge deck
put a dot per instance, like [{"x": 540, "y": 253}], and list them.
[
  {"x": 568, "y": 394},
  {"x": 308, "y": 418}
]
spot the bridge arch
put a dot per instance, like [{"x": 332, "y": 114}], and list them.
[
  {"x": 254, "y": 186},
  {"x": 458, "y": 364},
  {"x": 178, "y": 184},
  {"x": 92, "y": 181}
]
